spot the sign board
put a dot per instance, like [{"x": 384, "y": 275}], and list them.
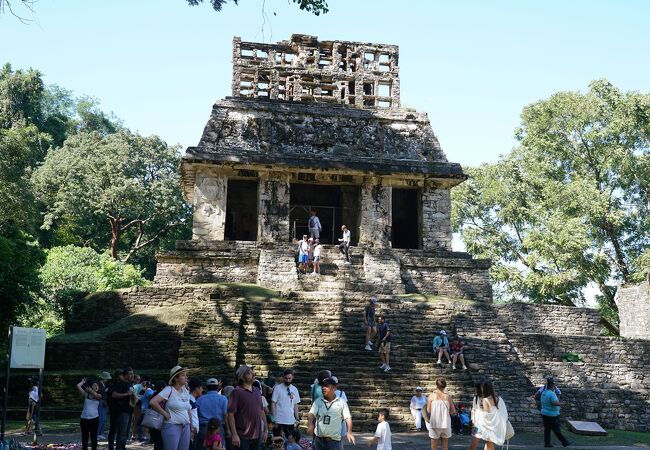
[
  {"x": 27, "y": 348},
  {"x": 586, "y": 428}
]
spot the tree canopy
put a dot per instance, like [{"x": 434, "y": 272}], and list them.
[
  {"x": 120, "y": 190},
  {"x": 316, "y": 7},
  {"x": 569, "y": 206}
]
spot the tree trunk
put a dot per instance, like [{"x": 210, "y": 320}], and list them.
[{"x": 115, "y": 236}]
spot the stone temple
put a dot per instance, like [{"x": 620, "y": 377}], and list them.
[{"x": 318, "y": 124}]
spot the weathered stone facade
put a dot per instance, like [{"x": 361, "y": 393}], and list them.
[
  {"x": 309, "y": 126},
  {"x": 633, "y": 303}
]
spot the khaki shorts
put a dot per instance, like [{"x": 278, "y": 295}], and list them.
[
  {"x": 384, "y": 347},
  {"x": 437, "y": 433}
]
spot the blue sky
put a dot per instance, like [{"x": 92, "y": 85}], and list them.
[{"x": 471, "y": 65}]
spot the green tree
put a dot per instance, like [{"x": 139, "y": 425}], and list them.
[
  {"x": 20, "y": 260},
  {"x": 119, "y": 191},
  {"x": 316, "y": 7},
  {"x": 570, "y": 205},
  {"x": 70, "y": 273}
]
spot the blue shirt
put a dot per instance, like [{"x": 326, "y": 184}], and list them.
[
  {"x": 211, "y": 404},
  {"x": 144, "y": 399},
  {"x": 440, "y": 342},
  {"x": 548, "y": 408}
]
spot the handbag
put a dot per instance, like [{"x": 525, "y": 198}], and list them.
[
  {"x": 510, "y": 431},
  {"x": 152, "y": 419}
]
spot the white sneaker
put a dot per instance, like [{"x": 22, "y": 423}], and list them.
[
  {"x": 368, "y": 347},
  {"x": 453, "y": 367},
  {"x": 439, "y": 362},
  {"x": 383, "y": 366},
  {"x": 347, "y": 262},
  {"x": 464, "y": 367},
  {"x": 387, "y": 368}
]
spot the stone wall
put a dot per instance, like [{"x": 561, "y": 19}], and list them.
[
  {"x": 277, "y": 268},
  {"x": 376, "y": 214},
  {"x": 446, "y": 276},
  {"x": 634, "y": 310},
  {"x": 208, "y": 262},
  {"x": 436, "y": 218},
  {"x": 382, "y": 271},
  {"x": 525, "y": 317},
  {"x": 209, "y": 204},
  {"x": 273, "y": 209}
]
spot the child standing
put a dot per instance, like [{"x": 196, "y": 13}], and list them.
[
  {"x": 318, "y": 249},
  {"x": 382, "y": 436},
  {"x": 213, "y": 440}
]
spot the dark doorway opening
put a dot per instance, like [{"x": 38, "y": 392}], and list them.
[
  {"x": 405, "y": 231},
  {"x": 334, "y": 206},
  {"x": 241, "y": 211}
]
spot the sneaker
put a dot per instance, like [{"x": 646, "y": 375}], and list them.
[
  {"x": 383, "y": 366},
  {"x": 101, "y": 437},
  {"x": 464, "y": 367},
  {"x": 368, "y": 347},
  {"x": 439, "y": 362},
  {"x": 347, "y": 262},
  {"x": 453, "y": 367},
  {"x": 387, "y": 369}
]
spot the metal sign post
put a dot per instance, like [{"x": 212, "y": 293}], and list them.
[
  {"x": 26, "y": 351},
  {"x": 6, "y": 393}
]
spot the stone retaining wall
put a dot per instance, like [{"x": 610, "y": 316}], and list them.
[
  {"x": 550, "y": 319},
  {"x": 449, "y": 277}
]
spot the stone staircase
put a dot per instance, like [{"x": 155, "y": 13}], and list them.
[{"x": 213, "y": 327}]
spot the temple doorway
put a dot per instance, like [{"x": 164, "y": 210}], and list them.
[
  {"x": 334, "y": 206},
  {"x": 241, "y": 211},
  {"x": 406, "y": 219}
]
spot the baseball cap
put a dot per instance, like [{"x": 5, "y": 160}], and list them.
[
  {"x": 331, "y": 380},
  {"x": 443, "y": 332},
  {"x": 419, "y": 389},
  {"x": 212, "y": 382},
  {"x": 374, "y": 300}
]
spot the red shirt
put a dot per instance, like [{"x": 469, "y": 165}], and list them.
[
  {"x": 456, "y": 347},
  {"x": 247, "y": 407}
]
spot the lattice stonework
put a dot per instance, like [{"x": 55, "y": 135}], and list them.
[{"x": 306, "y": 70}]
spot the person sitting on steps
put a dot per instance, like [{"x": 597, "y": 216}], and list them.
[
  {"x": 456, "y": 347},
  {"x": 441, "y": 346}
]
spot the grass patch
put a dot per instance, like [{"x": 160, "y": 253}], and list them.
[
  {"x": 49, "y": 426},
  {"x": 170, "y": 316},
  {"x": 613, "y": 438}
]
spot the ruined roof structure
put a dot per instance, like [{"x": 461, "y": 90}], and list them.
[{"x": 330, "y": 105}]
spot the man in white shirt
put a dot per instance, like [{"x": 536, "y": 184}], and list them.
[
  {"x": 326, "y": 415},
  {"x": 284, "y": 403},
  {"x": 345, "y": 243}
]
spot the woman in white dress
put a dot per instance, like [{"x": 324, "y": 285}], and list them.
[
  {"x": 477, "y": 415},
  {"x": 418, "y": 402},
  {"x": 441, "y": 407},
  {"x": 494, "y": 418}
]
